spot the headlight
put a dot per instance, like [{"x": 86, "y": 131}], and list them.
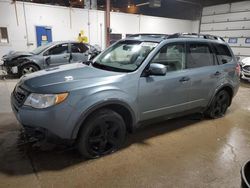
[{"x": 44, "y": 100}]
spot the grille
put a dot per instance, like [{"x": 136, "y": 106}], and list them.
[
  {"x": 20, "y": 95},
  {"x": 246, "y": 68}
]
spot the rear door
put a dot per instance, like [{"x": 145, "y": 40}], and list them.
[
  {"x": 203, "y": 71},
  {"x": 79, "y": 52}
]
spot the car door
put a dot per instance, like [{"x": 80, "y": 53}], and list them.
[
  {"x": 79, "y": 52},
  {"x": 57, "y": 55},
  {"x": 168, "y": 94},
  {"x": 203, "y": 72}
]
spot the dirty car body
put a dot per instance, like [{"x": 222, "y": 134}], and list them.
[{"x": 135, "y": 80}]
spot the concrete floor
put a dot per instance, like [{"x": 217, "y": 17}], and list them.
[{"x": 178, "y": 153}]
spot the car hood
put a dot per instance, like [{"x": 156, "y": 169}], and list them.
[
  {"x": 13, "y": 54},
  {"x": 246, "y": 61},
  {"x": 67, "y": 78}
]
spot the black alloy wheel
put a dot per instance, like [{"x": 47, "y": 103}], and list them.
[
  {"x": 104, "y": 133},
  {"x": 219, "y": 105}
]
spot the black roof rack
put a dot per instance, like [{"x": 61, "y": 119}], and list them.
[
  {"x": 195, "y": 35},
  {"x": 153, "y": 35}
]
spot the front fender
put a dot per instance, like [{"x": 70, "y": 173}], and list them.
[
  {"x": 99, "y": 100},
  {"x": 28, "y": 60}
]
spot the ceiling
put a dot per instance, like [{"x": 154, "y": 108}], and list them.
[{"x": 180, "y": 9}]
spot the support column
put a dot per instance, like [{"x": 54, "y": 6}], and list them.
[{"x": 107, "y": 22}]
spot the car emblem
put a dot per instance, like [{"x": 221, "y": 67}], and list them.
[{"x": 68, "y": 78}]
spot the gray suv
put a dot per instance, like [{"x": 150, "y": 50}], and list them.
[{"x": 139, "y": 78}]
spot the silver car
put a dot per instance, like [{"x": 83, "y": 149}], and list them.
[
  {"x": 135, "y": 80},
  {"x": 50, "y": 55}
]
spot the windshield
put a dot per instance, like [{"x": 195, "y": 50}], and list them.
[
  {"x": 41, "y": 48},
  {"x": 124, "y": 56}
]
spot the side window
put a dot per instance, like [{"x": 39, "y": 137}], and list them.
[
  {"x": 222, "y": 53},
  {"x": 172, "y": 56},
  {"x": 78, "y": 48},
  {"x": 199, "y": 55},
  {"x": 58, "y": 49}
]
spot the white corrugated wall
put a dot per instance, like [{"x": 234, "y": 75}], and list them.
[{"x": 229, "y": 21}]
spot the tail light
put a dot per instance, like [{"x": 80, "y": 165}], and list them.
[{"x": 238, "y": 69}]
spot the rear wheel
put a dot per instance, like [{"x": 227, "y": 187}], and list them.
[
  {"x": 103, "y": 133},
  {"x": 219, "y": 105},
  {"x": 27, "y": 69}
]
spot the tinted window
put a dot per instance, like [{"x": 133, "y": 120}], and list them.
[
  {"x": 59, "y": 49},
  {"x": 172, "y": 56},
  {"x": 223, "y": 54},
  {"x": 199, "y": 55},
  {"x": 78, "y": 48}
]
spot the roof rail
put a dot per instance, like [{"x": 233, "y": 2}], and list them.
[
  {"x": 154, "y": 35},
  {"x": 195, "y": 35}
]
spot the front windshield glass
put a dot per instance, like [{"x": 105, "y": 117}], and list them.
[
  {"x": 41, "y": 48},
  {"x": 124, "y": 56}
]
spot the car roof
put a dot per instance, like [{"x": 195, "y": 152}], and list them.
[
  {"x": 192, "y": 37},
  {"x": 62, "y": 42}
]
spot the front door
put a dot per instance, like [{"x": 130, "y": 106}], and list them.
[
  {"x": 79, "y": 52},
  {"x": 57, "y": 55},
  {"x": 168, "y": 94}
]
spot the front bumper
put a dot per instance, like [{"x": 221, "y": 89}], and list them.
[
  {"x": 56, "y": 120},
  {"x": 245, "y": 75}
]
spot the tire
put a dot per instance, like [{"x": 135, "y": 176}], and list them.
[
  {"x": 103, "y": 133},
  {"x": 219, "y": 105},
  {"x": 27, "y": 69}
]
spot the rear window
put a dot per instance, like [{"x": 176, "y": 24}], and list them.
[
  {"x": 223, "y": 54},
  {"x": 199, "y": 55}
]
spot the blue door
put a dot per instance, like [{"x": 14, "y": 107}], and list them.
[{"x": 43, "y": 35}]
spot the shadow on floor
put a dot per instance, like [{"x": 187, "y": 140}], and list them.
[{"x": 17, "y": 158}]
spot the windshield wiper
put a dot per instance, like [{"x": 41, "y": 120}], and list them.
[
  {"x": 87, "y": 62},
  {"x": 105, "y": 67}
]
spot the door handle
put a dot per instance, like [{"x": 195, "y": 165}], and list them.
[
  {"x": 66, "y": 56},
  {"x": 184, "y": 79},
  {"x": 217, "y": 73}
]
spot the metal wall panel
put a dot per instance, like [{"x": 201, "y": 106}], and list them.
[
  {"x": 225, "y": 34},
  {"x": 229, "y": 21},
  {"x": 229, "y": 17},
  {"x": 241, "y": 51},
  {"x": 241, "y": 6},
  {"x": 216, "y": 9},
  {"x": 240, "y": 25}
]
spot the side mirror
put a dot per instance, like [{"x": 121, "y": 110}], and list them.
[{"x": 157, "y": 69}]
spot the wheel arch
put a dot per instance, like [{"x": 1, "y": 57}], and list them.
[
  {"x": 226, "y": 87},
  {"x": 120, "y": 107},
  {"x": 29, "y": 61}
]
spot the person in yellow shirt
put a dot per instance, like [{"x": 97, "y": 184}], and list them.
[{"x": 82, "y": 38}]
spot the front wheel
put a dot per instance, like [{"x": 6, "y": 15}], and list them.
[
  {"x": 103, "y": 133},
  {"x": 219, "y": 105},
  {"x": 27, "y": 69}
]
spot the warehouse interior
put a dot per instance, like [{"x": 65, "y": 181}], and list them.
[{"x": 189, "y": 150}]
